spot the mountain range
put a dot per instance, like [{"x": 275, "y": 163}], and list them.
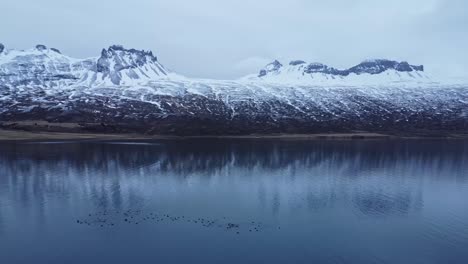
[
  {"x": 379, "y": 71},
  {"x": 129, "y": 90}
]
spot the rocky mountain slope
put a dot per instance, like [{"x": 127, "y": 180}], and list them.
[{"x": 126, "y": 90}]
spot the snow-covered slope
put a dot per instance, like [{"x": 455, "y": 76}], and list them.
[
  {"x": 41, "y": 67},
  {"x": 370, "y": 72},
  {"x": 44, "y": 67},
  {"x": 132, "y": 91},
  {"x": 199, "y": 107}
]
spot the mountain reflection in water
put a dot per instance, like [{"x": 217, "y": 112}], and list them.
[{"x": 287, "y": 183}]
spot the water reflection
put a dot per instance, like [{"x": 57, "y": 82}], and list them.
[
  {"x": 311, "y": 187},
  {"x": 377, "y": 177}
]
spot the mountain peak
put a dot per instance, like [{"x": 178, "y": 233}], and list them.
[
  {"x": 47, "y": 67},
  {"x": 274, "y": 65},
  {"x": 298, "y": 69},
  {"x": 296, "y": 62},
  {"x": 270, "y": 67},
  {"x": 123, "y": 58},
  {"x": 120, "y": 50},
  {"x": 41, "y": 47},
  {"x": 44, "y": 48},
  {"x": 120, "y": 63}
]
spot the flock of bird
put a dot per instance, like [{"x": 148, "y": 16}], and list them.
[{"x": 104, "y": 219}]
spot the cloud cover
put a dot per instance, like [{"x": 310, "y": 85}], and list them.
[{"x": 231, "y": 38}]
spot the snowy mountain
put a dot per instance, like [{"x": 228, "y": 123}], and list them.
[
  {"x": 123, "y": 66},
  {"x": 367, "y": 72},
  {"x": 40, "y": 66},
  {"x": 126, "y": 90},
  {"x": 46, "y": 67}
]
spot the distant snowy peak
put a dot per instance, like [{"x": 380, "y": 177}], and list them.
[
  {"x": 124, "y": 58},
  {"x": 273, "y": 67},
  {"x": 48, "y": 67},
  {"x": 367, "y": 71},
  {"x": 125, "y": 66},
  {"x": 368, "y": 66}
]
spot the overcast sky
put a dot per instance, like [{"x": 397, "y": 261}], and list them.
[{"x": 231, "y": 38}]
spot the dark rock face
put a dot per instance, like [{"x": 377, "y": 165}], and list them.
[
  {"x": 272, "y": 67},
  {"x": 56, "y": 50},
  {"x": 379, "y": 66},
  {"x": 418, "y": 68},
  {"x": 2, "y": 47},
  {"x": 403, "y": 67},
  {"x": 102, "y": 63},
  {"x": 297, "y": 62},
  {"x": 318, "y": 67},
  {"x": 373, "y": 67},
  {"x": 41, "y": 47},
  {"x": 262, "y": 73}
]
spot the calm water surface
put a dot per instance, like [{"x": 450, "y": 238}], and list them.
[{"x": 234, "y": 201}]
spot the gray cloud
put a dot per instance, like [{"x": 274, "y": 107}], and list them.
[{"x": 230, "y": 38}]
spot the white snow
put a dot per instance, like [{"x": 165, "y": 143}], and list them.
[{"x": 36, "y": 68}]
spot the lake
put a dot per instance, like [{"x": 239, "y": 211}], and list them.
[{"x": 234, "y": 201}]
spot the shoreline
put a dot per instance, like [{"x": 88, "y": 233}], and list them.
[
  {"x": 22, "y": 135},
  {"x": 30, "y": 130}
]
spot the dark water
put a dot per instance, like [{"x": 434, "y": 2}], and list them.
[{"x": 246, "y": 201}]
